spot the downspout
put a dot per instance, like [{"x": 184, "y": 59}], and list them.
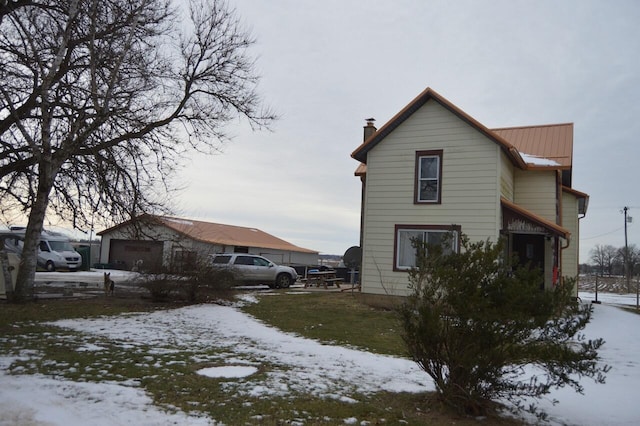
[
  {"x": 559, "y": 216},
  {"x": 578, "y": 260}
]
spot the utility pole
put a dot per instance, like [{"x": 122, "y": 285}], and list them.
[
  {"x": 626, "y": 249},
  {"x": 626, "y": 246},
  {"x": 627, "y": 259}
]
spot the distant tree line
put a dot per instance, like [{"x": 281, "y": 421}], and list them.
[{"x": 610, "y": 260}]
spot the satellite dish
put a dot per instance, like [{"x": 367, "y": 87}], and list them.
[{"x": 352, "y": 257}]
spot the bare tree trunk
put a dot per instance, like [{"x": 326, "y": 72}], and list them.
[
  {"x": 4, "y": 264},
  {"x": 27, "y": 269}
]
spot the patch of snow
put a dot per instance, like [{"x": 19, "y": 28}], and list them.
[
  {"x": 89, "y": 347},
  {"x": 293, "y": 365},
  {"x": 230, "y": 371},
  {"x": 40, "y": 401},
  {"x": 537, "y": 160}
]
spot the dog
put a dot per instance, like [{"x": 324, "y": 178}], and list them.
[{"x": 109, "y": 284}]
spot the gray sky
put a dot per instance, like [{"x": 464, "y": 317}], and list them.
[{"x": 326, "y": 66}]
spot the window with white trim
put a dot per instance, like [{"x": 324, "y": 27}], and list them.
[
  {"x": 428, "y": 177},
  {"x": 406, "y": 252}
]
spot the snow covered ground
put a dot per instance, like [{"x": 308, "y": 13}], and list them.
[{"x": 296, "y": 364}]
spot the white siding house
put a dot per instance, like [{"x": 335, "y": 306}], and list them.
[{"x": 434, "y": 169}]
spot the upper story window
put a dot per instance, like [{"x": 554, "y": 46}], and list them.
[{"x": 428, "y": 185}]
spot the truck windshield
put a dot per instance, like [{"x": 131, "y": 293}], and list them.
[{"x": 60, "y": 246}]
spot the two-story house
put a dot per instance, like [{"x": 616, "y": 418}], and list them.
[{"x": 433, "y": 169}]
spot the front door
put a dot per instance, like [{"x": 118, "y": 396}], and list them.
[{"x": 529, "y": 248}]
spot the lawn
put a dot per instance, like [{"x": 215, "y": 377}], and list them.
[
  {"x": 167, "y": 373},
  {"x": 334, "y": 318}
]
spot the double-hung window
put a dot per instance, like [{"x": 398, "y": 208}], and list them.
[
  {"x": 408, "y": 235},
  {"x": 428, "y": 183}
]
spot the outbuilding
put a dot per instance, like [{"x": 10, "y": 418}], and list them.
[{"x": 152, "y": 242}]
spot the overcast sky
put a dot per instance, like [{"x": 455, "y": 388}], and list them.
[{"x": 326, "y": 66}]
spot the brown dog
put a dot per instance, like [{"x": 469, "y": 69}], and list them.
[{"x": 109, "y": 284}]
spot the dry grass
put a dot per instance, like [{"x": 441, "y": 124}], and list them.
[
  {"x": 607, "y": 284},
  {"x": 346, "y": 319}
]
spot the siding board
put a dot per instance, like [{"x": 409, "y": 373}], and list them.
[
  {"x": 532, "y": 189},
  {"x": 470, "y": 185}
]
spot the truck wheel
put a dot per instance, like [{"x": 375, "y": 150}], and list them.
[
  {"x": 49, "y": 266},
  {"x": 283, "y": 280}
]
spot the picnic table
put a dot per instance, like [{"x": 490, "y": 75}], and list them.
[{"x": 322, "y": 278}]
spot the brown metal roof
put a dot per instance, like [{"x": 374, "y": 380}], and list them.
[
  {"x": 217, "y": 233},
  {"x": 552, "y": 142}
]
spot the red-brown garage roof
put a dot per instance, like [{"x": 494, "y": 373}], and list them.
[{"x": 219, "y": 234}]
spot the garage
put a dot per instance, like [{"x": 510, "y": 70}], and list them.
[
  {"x": 125, "y": 254},
  {"x": 172, "y": 242}
]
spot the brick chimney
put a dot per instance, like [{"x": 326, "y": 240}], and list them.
[{"x": 369, "y": 129}]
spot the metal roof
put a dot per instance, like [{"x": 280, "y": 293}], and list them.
[
  {"x": 220, "y": 234},
  {"x": 552, "y": 141}
]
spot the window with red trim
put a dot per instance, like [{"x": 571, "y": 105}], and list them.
[
  {"x": 428, "y": 175},
  {"x": 406, "y": 237}
]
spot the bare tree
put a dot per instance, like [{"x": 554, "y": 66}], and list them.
[
  {"x": 101, "y": 98},
  {"x": 604, "y": 257},
  {"x": 629, "y": 257}
]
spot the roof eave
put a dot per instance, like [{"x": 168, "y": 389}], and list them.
[
  {"x": 144, "y": 216},
  {"x": 579, "y": 195},
  {"x": 360, "y": 153},
  {"x": 539, "y": 167}
]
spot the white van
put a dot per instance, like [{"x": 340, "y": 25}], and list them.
[{"x": 54, "y": 252}]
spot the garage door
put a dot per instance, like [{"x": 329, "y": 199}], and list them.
[{"x": 127, "y": 253}]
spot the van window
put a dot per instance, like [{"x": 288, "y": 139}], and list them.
[
  {"x": 61, "y": 246},
  {"x": 44, "y": 246}
]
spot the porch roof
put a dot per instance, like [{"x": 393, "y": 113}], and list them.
[{"x": 533, "y": 218}]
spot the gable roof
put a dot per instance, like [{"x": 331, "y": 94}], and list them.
[
  {"x": 217, "y": 233},
  {"x": 429, "y": 94},
  {"x": 552, "y": 141},
  {"x": 529, "y": 147}
]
